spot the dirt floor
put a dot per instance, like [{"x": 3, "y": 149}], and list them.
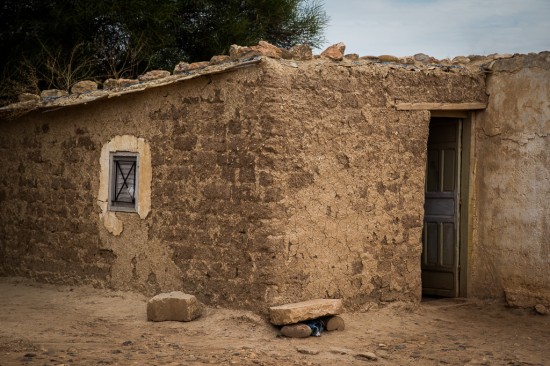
[{"x": 57, "y": 325}]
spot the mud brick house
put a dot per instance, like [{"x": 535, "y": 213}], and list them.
[{"x": 264, "y": 180}]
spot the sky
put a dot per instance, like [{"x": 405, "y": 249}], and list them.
[{"x": 439, "y": 28}]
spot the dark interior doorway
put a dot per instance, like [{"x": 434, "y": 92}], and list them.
[{"x": 441, "y": 234}]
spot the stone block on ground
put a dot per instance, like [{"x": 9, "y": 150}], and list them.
[
  {"x": 306, "y": 310},
  {"x": 333, "y": 323},
  {"x": 174, "y": 306},
  {"x": 296, "y": 331}
]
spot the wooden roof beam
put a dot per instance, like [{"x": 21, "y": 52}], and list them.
[{"x": 440, "y": 106}]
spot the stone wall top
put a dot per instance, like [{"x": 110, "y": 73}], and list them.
[{"x": 85, "y": 92}]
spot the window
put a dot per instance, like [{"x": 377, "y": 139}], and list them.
[{"x": 123, "y": 181}]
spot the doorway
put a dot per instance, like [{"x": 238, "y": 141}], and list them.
[{"x": 444, "y": 252}]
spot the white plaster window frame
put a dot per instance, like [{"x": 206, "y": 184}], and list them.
[
  {"x": 120, "y": 206},
  {"x": 124, "y": 143}
]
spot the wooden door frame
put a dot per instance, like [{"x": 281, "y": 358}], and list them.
[{"x": 466, "y": 173}]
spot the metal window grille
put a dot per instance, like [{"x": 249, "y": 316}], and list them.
[{"x": 123, "y": 190}]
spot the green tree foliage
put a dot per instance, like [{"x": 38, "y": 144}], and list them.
[{"x": 54, "y": 43}]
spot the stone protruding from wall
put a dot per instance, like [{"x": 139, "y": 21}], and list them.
[
  {"x": 301, "y": 52},
  {"x": 239, "y": 52},
  {"x": 154, "y": 75},
  {"x": 335, "y": 52},
  {"x": 84, "y": 86},
  {"x": 268, "y": 50},
  {"x": 53, "y": 93},
  {"x": 119, "y": 83},
  {"x": 219, "y": 59},
  {"x": 388, "y": 58},
  {"x": 305, "y": 310},
  {"x": 173, "y": 306},
  {"x": 181, "y": 67},
  {"x": 28, "y": 97}
]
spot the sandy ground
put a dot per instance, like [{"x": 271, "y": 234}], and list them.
[{"x": 57, "y": 325}]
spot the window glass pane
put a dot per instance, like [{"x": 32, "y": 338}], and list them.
[{"x": 123, "y": 182}]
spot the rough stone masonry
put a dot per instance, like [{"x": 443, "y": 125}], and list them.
[{"x": 277, "y": 182}]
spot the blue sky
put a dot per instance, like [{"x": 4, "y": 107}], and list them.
[{"x": 440, "y": 28}]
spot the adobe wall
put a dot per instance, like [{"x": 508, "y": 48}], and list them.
[
  {"x": 511, "y": 231},
  {"x": 280, "y": 182}
]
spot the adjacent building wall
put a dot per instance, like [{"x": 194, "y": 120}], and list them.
[
  {"x": 511, "y": 233},
  {"x": 276, "y": 183}
]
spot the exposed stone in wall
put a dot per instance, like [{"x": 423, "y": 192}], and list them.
[{"x": 511, "y": 250}]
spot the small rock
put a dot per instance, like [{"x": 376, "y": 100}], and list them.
[
  {"x": 367, "y": 356},
  {"x": 307, "y": 351},
  {"x": 175, "y": 306},
  {"x": 339, "y": 351},
  {"x": 500, "y": 56},
  {"x": 28, "y": 97},
  {"x": 198, "y": 65},
  {"x": 306, "y": 310},
  {"x": 461, "y": 60},
  {"x": 53, "y": 93},
  {"x": 84, "y": 86},
  {"x": 541, "y": 309},
  {"x": 119, "y": 83},
  {"x": 335, "y": 52},
  {"x": 351, "y": 56},
  {"x": 423, "y": 58},
  {"x": 335, "y": 323},
  {"x": 296, "y": 331},
  {"x": 301, "y": 52},
  {"x": 268, "y": 50},
  {"x": 154, "y": 75},
  {"x": 127, "y": 343},
  {"x": 181, "y": 67},
  {"x": 388, "y": 58},
  {"x": 239, "y": 52},
  {"x": 29, "y": 355},
  {"x": 406, "y": 60},
  {"x": 219, "y": 59}
]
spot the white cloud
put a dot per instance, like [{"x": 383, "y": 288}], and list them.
[{"x": 442, "y": 28}]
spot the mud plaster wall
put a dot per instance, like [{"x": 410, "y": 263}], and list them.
[
  {"x": 511, "y": 245},
  {"x": 270, "y": 184}
]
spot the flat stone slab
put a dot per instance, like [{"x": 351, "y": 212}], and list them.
[
  {"x": 306, "y": 310},
  {"x": 174, "y": 306}
]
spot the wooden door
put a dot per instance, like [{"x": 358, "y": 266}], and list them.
[{"x": 440, "y": 239}]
